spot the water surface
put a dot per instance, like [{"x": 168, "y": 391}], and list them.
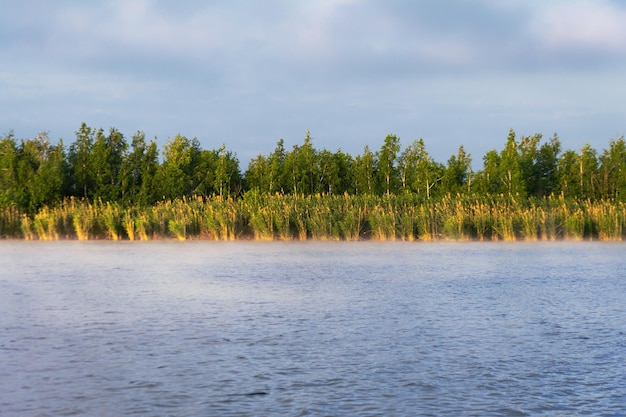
[{"x": 329, "y": 329}]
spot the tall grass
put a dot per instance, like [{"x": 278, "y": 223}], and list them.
[
  {"x": 111, "y": 218},
  {"x": 350, "y": 219},
  {"x": 324, "y": 217},
  {"x": 129, "y": 223},
  {"x": 26, "y": 224},
  {"x": 83, "y": 216},
  {"x": 45, "y": 223},
  {"x": 382, "y": 220},
  {"x": 455, "y": 218},
  {"x": 260, "y": 210},
  {"x": 606, "y": 220}
]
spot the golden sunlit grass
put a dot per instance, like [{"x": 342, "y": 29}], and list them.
[{"x": 324, "y": 217}]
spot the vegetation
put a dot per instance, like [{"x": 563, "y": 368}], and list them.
[{"x": 100, "y": 187}]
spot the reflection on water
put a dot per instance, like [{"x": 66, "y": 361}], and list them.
[{"x": 245, "y": 328}]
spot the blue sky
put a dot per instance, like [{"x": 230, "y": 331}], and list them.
[{"x": 247, "y": 73}]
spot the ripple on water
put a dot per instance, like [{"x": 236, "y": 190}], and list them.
[{"x": 322, "y": 329}]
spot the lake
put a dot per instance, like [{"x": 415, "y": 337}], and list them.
[{"x": 312, "y": 329}]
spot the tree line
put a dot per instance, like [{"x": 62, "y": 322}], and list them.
[{"x": 100, "y": 165}]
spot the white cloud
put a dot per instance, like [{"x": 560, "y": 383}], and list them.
[
  {"x": 583, "y": 23},
  {"x": 138, "y": 24},
  {"x": 350, "y": 70},
  {"x": 313, "y": 28}
]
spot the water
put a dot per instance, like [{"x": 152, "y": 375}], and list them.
[{"x": 318, "y": 329}]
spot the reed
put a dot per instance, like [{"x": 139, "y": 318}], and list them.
[
  {"x": 178, "y": 228},
  {"x": 220, "y": 218},
  {"x": 405, "y": 211},
  {"x": 142, "y": 224},
  {"x": 321, "y": 219},
  {"x": 281, "y": 212},
  {"x": 182, "y": 217},
  {"x": 129, "y": 220},
  {"x": 350, "y": 219},
  {"x": 503, "y": 225},
  {"x": 233, "y": 219},
  {"x": 325, "y": 217},
  {"x": 574, "y": 224},
  {"x": 26, "y": 226},
  {"x": 211, "y": 223},
  {"x": 259, "y": 215},
  {"x": 546, "y": 224},
  {"x": 425, "y": 225},
  {"x": 455, "y": 218},
  {"x": 481, "y": 219},
  {"x": 83, "y": 216},
  {"x": 262, "y": 222},
  {"x": 607, "y": 219},
  {"x": 158, "y": 219},
  {"x": 299, "y": 216},
  {"x": 110, "y": 215},
  {"x": 527, "y": 221},
  {"x": 382, "y": 221},
  {"x": 407, "y": 222},
  {"x": 45, "y": 224},
  {"x": 63, "y": 217}
]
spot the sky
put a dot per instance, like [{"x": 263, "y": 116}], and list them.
[{"x": 247, "y": 73}]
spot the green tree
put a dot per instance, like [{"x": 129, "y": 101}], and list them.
[
  {"x": 419, "y": 173},
  {"x": 488, "y": 180},
  {"x": 588, "y": 172},
  {"x": 300, "y": 168},
  {"x": 204, "y": 173},
  {"x": 227, "y": 176},
  {"x": 107, "y": 157},
  {"x": 364, "y": 172},
  {"x": 510, "y": 167},
  {"x": 266, "y": 174},
  {"x": 8, "y": 170},
  {"x": 530, "y": 174},
  {"x": 386, "y": 158},
  {"x": 32, "y": 174},
  {"x": 344, "y": 164},
  {"x": 578, "y": 173},
  {"x": 306, "y": 159},
  {"x": 81, "y": 176},
  {"x": 613, "y": 170},
  {"x": 327, "y": 173},
  {"x": 335, "y": 172},
  {"x": 257, "y": 176},
  {"x": 547, "y": 167},
  {"x": 275, "y": 173},
  {"x": 176, "y": 174},
  {"x": 293, "y": 171},
  {"x": 458, "y": 173},
  {"x": 47, "y": 182},
  {"x": 568, "y": 183},
  {"x": 139, "y": 169},
  {"x": 148, "y": 191},
  {"x": 538, "y": 165}
]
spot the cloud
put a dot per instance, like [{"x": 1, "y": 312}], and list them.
[
  {"x": 341, "y": 40},
  {"x": 582, "y": 24},
  {"x": 352, "y": 71}
]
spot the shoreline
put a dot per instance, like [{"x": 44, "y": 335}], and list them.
[{"x": 312, "y": 240}]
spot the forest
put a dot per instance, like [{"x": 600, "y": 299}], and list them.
[{"x": 103, "y": 186}]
